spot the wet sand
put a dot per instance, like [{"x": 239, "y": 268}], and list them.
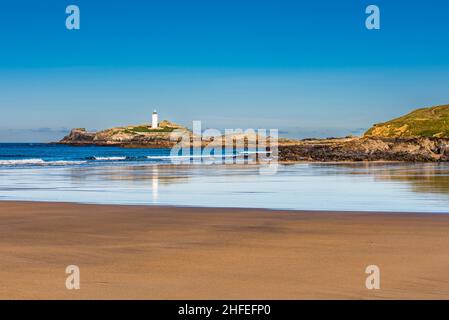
[{"x": 140, "y": 252}]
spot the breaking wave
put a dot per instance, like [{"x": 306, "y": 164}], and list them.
[
  {"x": 108, "y": 158},
  {"x": 38, "y": 162}
]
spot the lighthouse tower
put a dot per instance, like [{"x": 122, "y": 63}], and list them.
[{"x": 154, "y": 120}]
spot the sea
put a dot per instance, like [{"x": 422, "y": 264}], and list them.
[{"x": 114, "y": 175}]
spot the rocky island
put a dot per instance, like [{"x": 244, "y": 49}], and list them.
[
  {"x": 420, "y": 136},
  {"x": 130, "y": 136}
]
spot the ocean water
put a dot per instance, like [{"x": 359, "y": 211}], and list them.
[
  {"x": 26, "y": 155},
  {"x": 111, "y": 175}
]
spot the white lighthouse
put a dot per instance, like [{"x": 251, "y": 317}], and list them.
[{"x": 154, "y": 120}]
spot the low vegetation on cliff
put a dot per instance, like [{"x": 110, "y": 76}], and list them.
[{"x": 425, "y": 122}]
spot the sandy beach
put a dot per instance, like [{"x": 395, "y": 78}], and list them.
[{"x": 145, "y": 252}]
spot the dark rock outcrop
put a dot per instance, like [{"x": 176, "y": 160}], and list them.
[
  {"x": 79, "y": 135},
  {"x": 367, "y": 149}
]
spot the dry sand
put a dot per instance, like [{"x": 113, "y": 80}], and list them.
[{"x": 189, "y": 253}]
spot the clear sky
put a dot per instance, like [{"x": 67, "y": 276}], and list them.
[{"x": 309, "y": 68}]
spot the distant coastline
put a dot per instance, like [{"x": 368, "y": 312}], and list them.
[{"x": 420, "y": 136}]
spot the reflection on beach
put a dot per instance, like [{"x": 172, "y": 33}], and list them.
[
  {"x": 155, "y": 184},
  {"x": 421, "y": 177},
  {"x": 169, "y": 174},
  {"x": 132, "y": 175},
  {"x": 307, "y": 186},
  {"x": 426, "y": 179}
]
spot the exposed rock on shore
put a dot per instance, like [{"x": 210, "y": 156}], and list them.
[{"x": 367, "y": 149}]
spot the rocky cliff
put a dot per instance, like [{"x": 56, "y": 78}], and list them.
[{"x": 422, "y": 135}]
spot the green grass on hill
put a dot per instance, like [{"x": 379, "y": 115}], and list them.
[
  {"x": 143, "y": 129},
  {"x": 425, "y": 122}
]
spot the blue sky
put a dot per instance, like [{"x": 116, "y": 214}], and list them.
[{"x": 308, "y": 68}]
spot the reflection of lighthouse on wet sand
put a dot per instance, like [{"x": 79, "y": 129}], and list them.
[{"x": 155, "y": 184}]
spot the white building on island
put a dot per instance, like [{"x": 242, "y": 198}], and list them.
[{"x": 154, "y": 120}]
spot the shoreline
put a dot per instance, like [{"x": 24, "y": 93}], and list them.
[
  {"x": 242, "y": 209},
  {"x": 160, "y": 252}
]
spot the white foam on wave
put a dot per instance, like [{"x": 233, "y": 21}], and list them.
[
  {"x": 39, "y": 162},
  {"x": 109, "y": 158},
  {"x": 63, "y": 162},
  {"x": 21, "y": 162},
  {"x": 190, "y": 156}
]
